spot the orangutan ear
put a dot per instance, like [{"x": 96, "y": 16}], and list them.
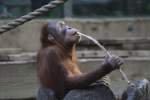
[{"x": 50, "y": 37}]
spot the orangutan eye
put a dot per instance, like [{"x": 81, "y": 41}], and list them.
[{"x": 69, "y": 27}]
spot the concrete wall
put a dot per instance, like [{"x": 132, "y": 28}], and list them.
[
  {"x": 27, "y": 36},
  {"x": 18, "y": 79}
]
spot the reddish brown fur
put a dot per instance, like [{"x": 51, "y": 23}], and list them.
[
  {"x": 58, "y": 70},
  {"x": 69, "y": 61}
]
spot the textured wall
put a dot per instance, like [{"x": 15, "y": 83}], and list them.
[
  {"x": 27, "y": 35},
  {"x": 18, "y": 79}
]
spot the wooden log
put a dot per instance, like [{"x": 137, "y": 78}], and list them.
[
  {"x": 45, "y": 94},
  {"x": 138, "y": 90},
  {"x": 94, "y": 92}
]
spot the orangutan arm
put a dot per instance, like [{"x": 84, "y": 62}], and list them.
[
  {"x": 85, "y": 79},
  {"x": 60, "y": 77}
]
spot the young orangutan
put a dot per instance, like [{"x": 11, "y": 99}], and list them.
[{"x": 57, "y": 61}]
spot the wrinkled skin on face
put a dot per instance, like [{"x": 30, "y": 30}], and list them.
[{"x": 62, "y": 33}]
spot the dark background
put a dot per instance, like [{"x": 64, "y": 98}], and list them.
[{"x": 79, "y": 8}]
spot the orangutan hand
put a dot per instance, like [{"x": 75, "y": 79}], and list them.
[{"x": 113, "y": 62}]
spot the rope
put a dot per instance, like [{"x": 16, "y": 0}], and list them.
[{"x": 31, "y": 15}]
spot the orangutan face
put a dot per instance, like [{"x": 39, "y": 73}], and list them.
[{"x": 63, "y": 33}]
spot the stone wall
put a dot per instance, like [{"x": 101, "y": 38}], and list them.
[
  {"x": 18, "y": 69},
  {"x": 27, "y": 36}
]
